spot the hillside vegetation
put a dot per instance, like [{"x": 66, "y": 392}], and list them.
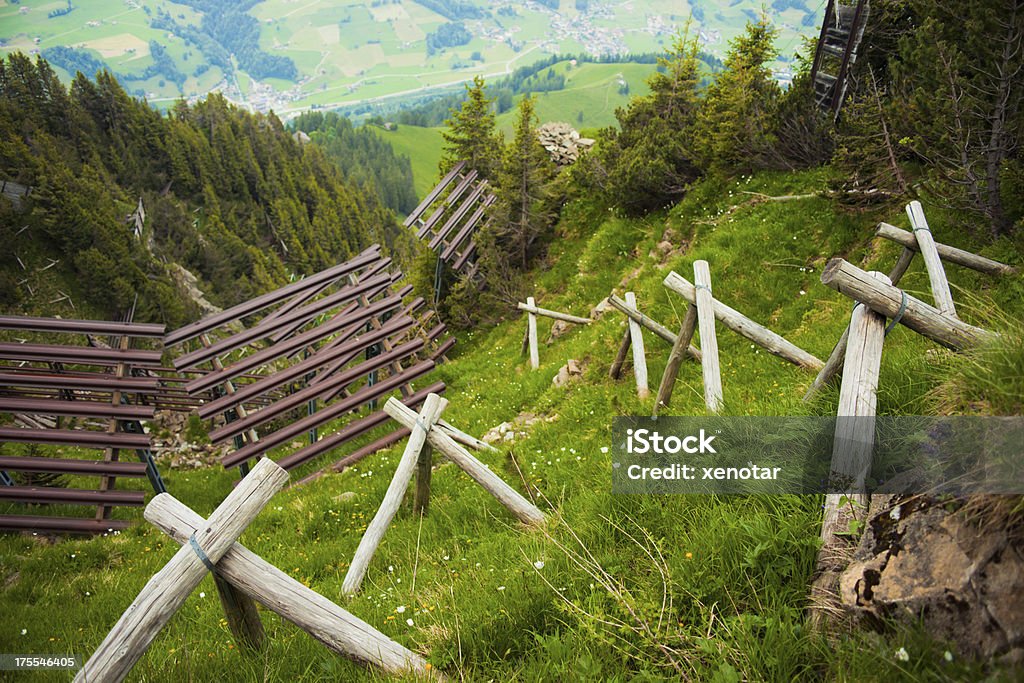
[
  {"x": 616, "y": 588},
  {"x": 229, "y": 195}
]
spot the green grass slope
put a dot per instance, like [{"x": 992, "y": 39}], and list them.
[
  {"x": 423, "y": 146},
  {"x": 615, "y": 588},
  {"x": 591, "y": 95}
]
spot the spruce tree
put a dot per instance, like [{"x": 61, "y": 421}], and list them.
[
  {"x": 524, "y": 209},
  {"x": 648, "y": 163},
  {"x": 471, "y": 135},
  {"x": 733, "y": 129}
]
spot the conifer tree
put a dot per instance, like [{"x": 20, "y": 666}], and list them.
[
  {"x": 471, "y": 135},
  {"x": 959, "y": 77},
  {"x": 648, "y": 163},
  {"x": 524, "y": 209},
  {"x": 733, "y": 129}
]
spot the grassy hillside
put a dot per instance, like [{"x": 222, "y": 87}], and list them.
[
  {"x": 616, "y": 588},
  {"x": 423, "y": 146},
  {"x": 591, "y": 95}
]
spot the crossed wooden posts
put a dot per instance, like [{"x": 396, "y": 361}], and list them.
[
  {"x": 680, "y": 343},
  {"x": 428, "y": 431},
  {"x": 850, "y": 280},
  {"x": 210, "y": 545},
  {"x": 530, "y": 337},
  {"x": 702, "y": 312}
]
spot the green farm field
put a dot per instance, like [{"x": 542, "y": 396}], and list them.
[
  {"x": 423, "y": 146},
  {"x": 353, "y": 51}
]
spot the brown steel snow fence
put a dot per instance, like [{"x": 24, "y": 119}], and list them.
[
  {"x": 93, "y": 396},
  {"x": 448, "y": 217},
  {"x": 288, "y": 364},
  {"x": 211, "y": 545}
]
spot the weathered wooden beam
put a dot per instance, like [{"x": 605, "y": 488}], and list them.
[
  {"x": 932, "y": 263},
  {"x": 636, "y": 335},
  {"x": 737, "y": 322},
  {"x": 161, "y": 597},
  {"x": 853, "y": 441},
  {"x": 949, "y": 254},
  {"x": 531, "y": 329},
  {"x": 848, "y": 279},
  {"x": 651, "y": 324},
  {"x": 675, "y": 358},
  {"x": 424, "y": 473},
  {"x": 835, "y": 360},
  {"x": 432, "y": 408},
  {"x": 615, "y": 371},
  {"x": 711, "y": 371},
  {"x": 333, "y": 626},
  {"x": 565, "y": 317},
  {"x": 523, "y": 509}
]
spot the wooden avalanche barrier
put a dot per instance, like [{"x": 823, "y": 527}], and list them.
[
  {"x": 407, "y": 466},
  {"x": 700, "y": 297},
  {"x": 950, "y": 254},
  {"x": 894, "y": 303},
  {"x": 530, "y": 339},
  {"x": 918, "y": 241},
  {"x": 681, "y": 346},
  {"x": 427, "y": 430},
  {"x": 853, "y": 443},
  {"x": 210, "y": 545},
  {"x": 168, "y": 589},
  {"x": 338, "y": 629},
  {"x": 835, "y": 360}
]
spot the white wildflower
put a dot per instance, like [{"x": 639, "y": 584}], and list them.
[{"x": 902, "y": 655}]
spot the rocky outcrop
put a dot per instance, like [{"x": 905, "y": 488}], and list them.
[
  {"x": 922, "y": 560},
  {"x": 562, "y": 142},
  {"x": 570, "y": 372}
]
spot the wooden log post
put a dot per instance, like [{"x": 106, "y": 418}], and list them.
[
  {"x": 947, "y": 253},
  {"x": 523, "y": 509},
  {"x": 256, "y": 578},
  {"x": 424, "y": 470},
  {"x": 636, "y": 340},
  {"x": 432, "y": 407},
  {"x": 712, "y": 373},
  {"x": 675, "y": 358},
  {"x": 531, "y": 330},
  {"x": 741, "y": 324},
  {"x": 161, "y": 597},
  {"x": 615, "y": 371},
  {"x": 834, "y": 364},
  {"x": 651, "y": 324},
  {"x": 892, "y": 302},
  {"x": 853, "y": 444},
  {"x": 564, "y": 317},
  {"x": 932, "y": 262}
]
